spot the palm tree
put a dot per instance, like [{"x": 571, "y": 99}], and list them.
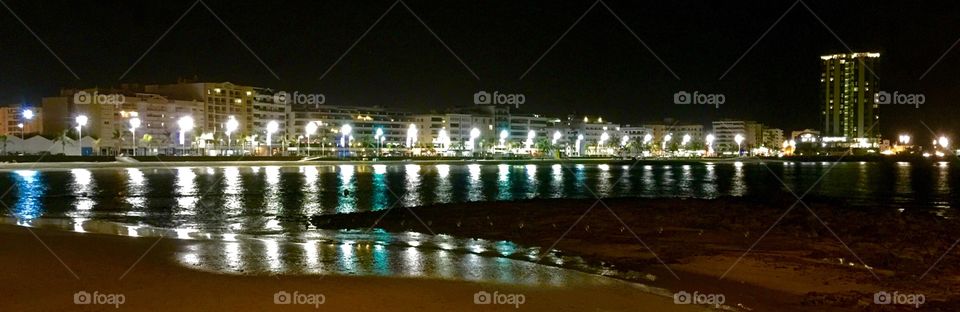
[
  {"x": 117, "y": 140},
  {"x": 147, "y": 140},
  {"x": 62, "y": 138}
]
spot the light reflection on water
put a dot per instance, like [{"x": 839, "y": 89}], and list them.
[{"x": 239, "y": 199}]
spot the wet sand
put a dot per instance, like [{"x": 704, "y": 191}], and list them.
[
  {"x": 798, "y": 266},
  {"x": 35, "y": 280}
]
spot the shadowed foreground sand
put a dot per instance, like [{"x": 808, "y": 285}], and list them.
[{"x": 34, "y": 280}]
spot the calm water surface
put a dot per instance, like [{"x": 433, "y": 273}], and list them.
[
  {"x": 249, "y": 199},
  {"x": 232, "y": 214}
]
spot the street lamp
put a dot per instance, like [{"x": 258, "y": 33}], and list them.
[
  {"x": 944, "y": 142},
  {"x": 310, "y": 129},
  {"x": 474, "y": 134},
  {"x": 272, "y": 127},
  {"x": 81, "y": 121},
  {"x": 666, "y": 139},
  {"x": 710, "y": 139},
  {"x": 232, "y": 125},
  {"x": 739, "y": 139},
  {"x": 579, "y": 139},
  {"x": 623, "y": 140},
  {"x": 556, "y": 137},
  {"x": 27, "y": 116},
  {"x": 411, "y": 135},
  {"x": 186, "y": 124},
  {"x": 530, "y": 136},
  {"x": 379, "y": 138},
  {"x": 134, "y": 124},
  {"x": 503, "y": 137}
]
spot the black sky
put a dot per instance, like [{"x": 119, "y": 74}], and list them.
[{"x": 598, "y": 67}]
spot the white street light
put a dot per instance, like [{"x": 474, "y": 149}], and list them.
[
  {"x": 378, "y": 136},
  {"x": 81, "y": 121},
  {"x": 623, "y": 140},
  {"x": 579, "y": 139},
  {"x": 134, "y": 124},
  {"x": 474, "y": 134},
  {"x": 443, "y": 139},
  {"x": 530, "y": 136},
  {"x": 310, "y": 129},
  {"x": 411, "y": 135},
  {"x": 666, "y": 139},
  {"x": 345, "y": 135},
  {"x": 232, "y": 125},
  {"x": 944, "y": 142},
  {"x": 503, "y": 137},
  {"x": 710, "y": 139},
  {"x": 272, "y": 126},
  {"x": 739, "y": 139},
  {"x": 186, "y": 124},
  {"x": 556, "y": 137},
  {"x": 27, "y": 115}
]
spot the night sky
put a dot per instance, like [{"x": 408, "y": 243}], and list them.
[{"x": 598, "y": 67}]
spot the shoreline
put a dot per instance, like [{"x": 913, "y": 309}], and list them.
[
  {"x": 702, "y": 239},
  {"x": 315, "y": 162},
  {"x": 113, "y": 265}
]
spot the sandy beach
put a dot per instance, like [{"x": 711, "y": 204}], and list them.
[
  {"x": 38, "y": 281},
  {"x": 798, "y": 266}
]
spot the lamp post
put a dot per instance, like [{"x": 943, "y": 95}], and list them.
[
  {"x": 739, "y": 139},
  {"x": 579, "y": 139},
  {"x": 345, "y": 137},
  {"x": 272, "y": 127},
  {"x": 81, "y": 121},
  {"x": 666, "y": 140},
  {"x": 411, "y": 136},
  {"x": 530, "y": 136},
  {"x": 944, "y": 142},
  {"x": 186, "y": 124},
  {"x": 683, "y": 144},
  {"x": 603, "y": 139},
  {"x": 20, "y": 125},
  {"x": 503, "y": 137},
  {"x": 710, "y": 139},
  {"x": 232, "y": 125},
  {"x": 474, "y": 134},
  {"x": 27, "y": 117},
  {"x": 134, "y": 124},
  {"x": 378, "y": 136},
  {"x": 310, "y": 129}
]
